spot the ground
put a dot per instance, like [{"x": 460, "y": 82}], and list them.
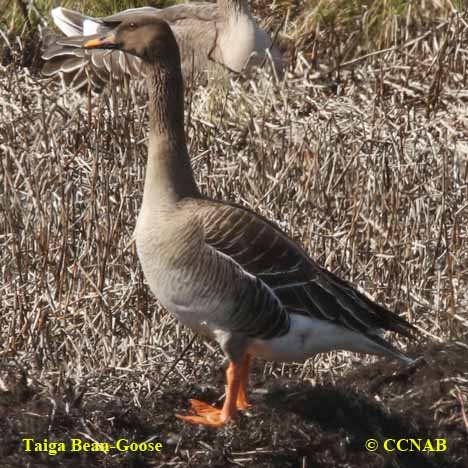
[{"x": 291, "y": 424}]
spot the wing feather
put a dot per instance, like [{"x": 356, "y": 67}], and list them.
[
  {"x": 193, "y": 26},
  {"x": 300, "y": 285}
]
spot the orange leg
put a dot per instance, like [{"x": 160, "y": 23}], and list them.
[
  {"x": 242, "y": 401},
  {"x": 207, "y": 415}
]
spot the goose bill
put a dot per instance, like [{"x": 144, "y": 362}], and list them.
[{"x": 101, "y": 42}]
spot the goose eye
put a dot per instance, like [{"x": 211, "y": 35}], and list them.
[{"x": 132, "y": 25}]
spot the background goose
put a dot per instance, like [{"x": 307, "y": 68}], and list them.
[
  {"x": 212, "y": 38},
  {"x": 221, "y": 269}
]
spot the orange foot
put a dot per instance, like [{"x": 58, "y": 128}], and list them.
[
  {"x": 205, "y": 414},
  {"x": 242, "y": 403}
]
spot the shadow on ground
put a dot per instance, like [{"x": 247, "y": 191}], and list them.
[{"x": 292, "y": 424}]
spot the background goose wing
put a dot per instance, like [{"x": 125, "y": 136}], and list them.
[
  {"x": 302, "y": 286},
  {"x": 80, "y": 65},
  {"x": 65, "y": 56}
]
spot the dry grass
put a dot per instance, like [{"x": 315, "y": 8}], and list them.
[
  {"x": 366, "y": 166},
  {"x": 341, "y": 30},
  {"x": 22, "y": 16}
]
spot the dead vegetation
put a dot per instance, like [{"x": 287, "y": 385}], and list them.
[{"x": 362, "y": 157}]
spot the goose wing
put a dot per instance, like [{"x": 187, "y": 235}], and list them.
[
  {"x": 302, "y": 286},
  {"x": 193, "y": 26},
  {"x": 80, "y": 65}
]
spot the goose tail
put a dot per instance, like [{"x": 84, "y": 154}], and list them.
[{"x": 384, "y": 348}]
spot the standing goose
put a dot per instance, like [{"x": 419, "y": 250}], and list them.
[
  {"x": 221, "y": 269},
  {"x": 212, "y": 38}
]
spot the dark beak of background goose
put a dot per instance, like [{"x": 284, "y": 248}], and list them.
[{"x": 107, "y": 42}]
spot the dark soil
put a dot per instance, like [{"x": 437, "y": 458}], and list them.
[{"x": 292, "y": 424}]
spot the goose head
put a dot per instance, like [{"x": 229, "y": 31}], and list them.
[{"x": 145, "y": 36}]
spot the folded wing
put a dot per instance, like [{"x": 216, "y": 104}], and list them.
[{"x": 301, "y": 286}]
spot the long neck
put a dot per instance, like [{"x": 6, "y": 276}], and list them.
[
  {"x": 233, "y": 8},
  {"x": 169, "y": 176}
]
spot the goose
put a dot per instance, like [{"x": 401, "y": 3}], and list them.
[
  {"x": 221, "y": 269},
  {"x": 213, "y": 39}
]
